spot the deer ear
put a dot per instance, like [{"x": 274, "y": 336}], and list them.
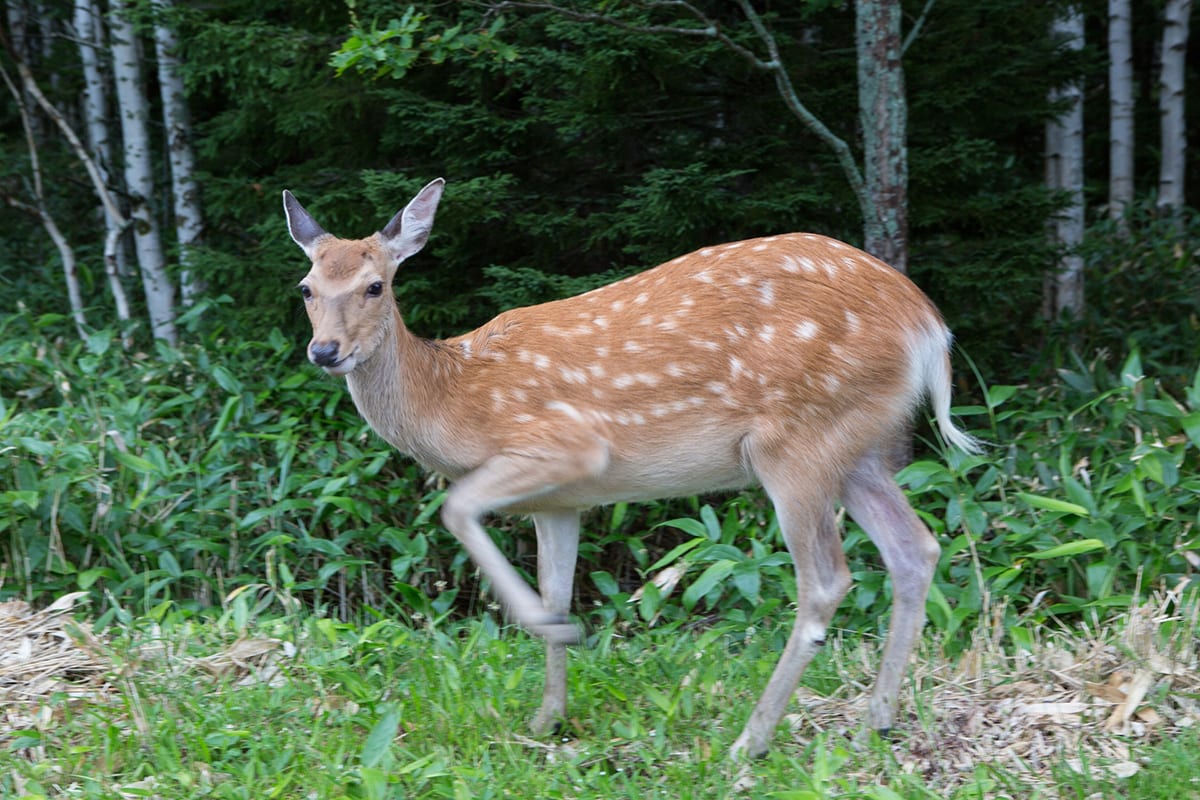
[
  {"x": 303, "y": 228},
  {"x": 408, "y": 231}
]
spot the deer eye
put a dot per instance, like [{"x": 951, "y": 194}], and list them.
[
  {"x": 305, "y": 292},
  {"x": 375, "y": 289}
]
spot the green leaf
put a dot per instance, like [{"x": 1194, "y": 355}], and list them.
[
  {"x": 1053, "y": 504},
  {"x": 996, "y": 395},
  {"x": 686, "y": 524},
  {"x": 675, "y": 552},
  {"x": 135, "y": 463},
  {"x": 169, "y": 564},
  {"x": 708, "y": 580},
  {"x": 36, "y": 446},
  {"x": 606, "y": 583},
  {"x": 1067, "y": 549},
  {"x": 379, "y": 740}
]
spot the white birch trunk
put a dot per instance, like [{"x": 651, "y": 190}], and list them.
[
  {"x": 1064, "y": 172},
  {"x": 89, "y": 34},
  {"x": 134, "y": 112},
  {"x": 1120, "y": 115},
  {"x": 1173, "y": 166},
  {"x": 185, "y": 192}
]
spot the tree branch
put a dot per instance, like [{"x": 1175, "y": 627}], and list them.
[
  {"x": 708, "y": 28},
  {"x": 39, "y": 210}
]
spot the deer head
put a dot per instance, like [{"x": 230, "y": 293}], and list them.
[{"x": 348, "y": 291}]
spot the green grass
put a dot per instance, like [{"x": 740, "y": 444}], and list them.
[{"x": 382, "y": 710}]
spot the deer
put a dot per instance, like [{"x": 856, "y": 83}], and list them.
[{"x": 791, "y": 362}]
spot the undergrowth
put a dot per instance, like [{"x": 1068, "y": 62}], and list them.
[{"x": 166, "y": 481}]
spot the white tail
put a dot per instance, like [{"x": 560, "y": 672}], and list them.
[{"x": 791, "y": 361}]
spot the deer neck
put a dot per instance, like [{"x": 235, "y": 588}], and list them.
[{"x": 396, "y": 388}]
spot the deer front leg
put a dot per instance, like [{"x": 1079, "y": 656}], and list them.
[
  {"x": 519, "y": 479},
  {"x": 558, "y": 544}
]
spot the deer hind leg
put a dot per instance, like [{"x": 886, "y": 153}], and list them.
[
  {"x": 558, "y": 544},
  {"x": 506, "y": 480},
  {"x": 910, "y": 553},
  {"x": 809, "y": 529}
]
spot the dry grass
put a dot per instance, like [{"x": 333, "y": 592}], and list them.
[{"x": 1088, "y": 696}]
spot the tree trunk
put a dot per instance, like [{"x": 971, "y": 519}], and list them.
[
  {"x": 1120, "y": 119},
  {"x": 185, "y": 192},
  {"x": 1171, "y": 105},
  {"x": 89, "y": 34},
  {"x": 883, "y": 116},
  {"x": 139, "y": 178},
  {"x": 1064, "y": 172}
]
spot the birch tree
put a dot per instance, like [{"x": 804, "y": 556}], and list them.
[
  {"x": 89, "y": 34},
  {"x": 1173, "y": 165},
  {"x": 1064, "y": 173},
  {"x": 184, "y": 190},
  {"x": 1120, "y": 115},
  {"x": 134, "y": 113}
]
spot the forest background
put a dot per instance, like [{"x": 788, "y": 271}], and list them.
[{"x": 166, "y": 444}]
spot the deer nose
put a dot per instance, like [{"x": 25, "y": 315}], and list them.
[{"x": 323, "y": 354}]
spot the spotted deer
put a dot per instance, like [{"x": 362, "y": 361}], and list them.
[{"x": 789, "y": 361}]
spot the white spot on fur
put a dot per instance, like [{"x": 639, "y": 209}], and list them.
[
  {"x": 602, "y": 351},
  {"x": 597, "y": 370},
  {"x": 706, "y": 252},
  {"x": 734, "y": 245},
  {"x": 623, "y": 381},
  {"x": 600, "y": 322},
  {"x": 789, "y": 265},
  {"x": 674, "y": 370},
  {"x": 565, "y": 408},
  {"x": 703, "y": 276},
  {"x": 716, "y": 387},
  {"x": 853, "y": 323},
  {"x": 497, "y": 400},
  {"x": 707, "y": 344},
  {"x": 618, "y": 305},
  {"x": 633, "y": 347},
  {"x": 520, "y": 395},
  {"x": 571, "y": 375},
  {"x": 758, "y": 248},
  {"x": 766, "y": 293},
  {"x": 686, "y": 301},
  {"x": 806, "y": 330},
  {"x": 523, "y": 418},
  {"x": 766, "y": 333},
  {"x": 646, "y": 320},
  {"x": 641, "y": 299},
  {"x": 667, "y": 325}
]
